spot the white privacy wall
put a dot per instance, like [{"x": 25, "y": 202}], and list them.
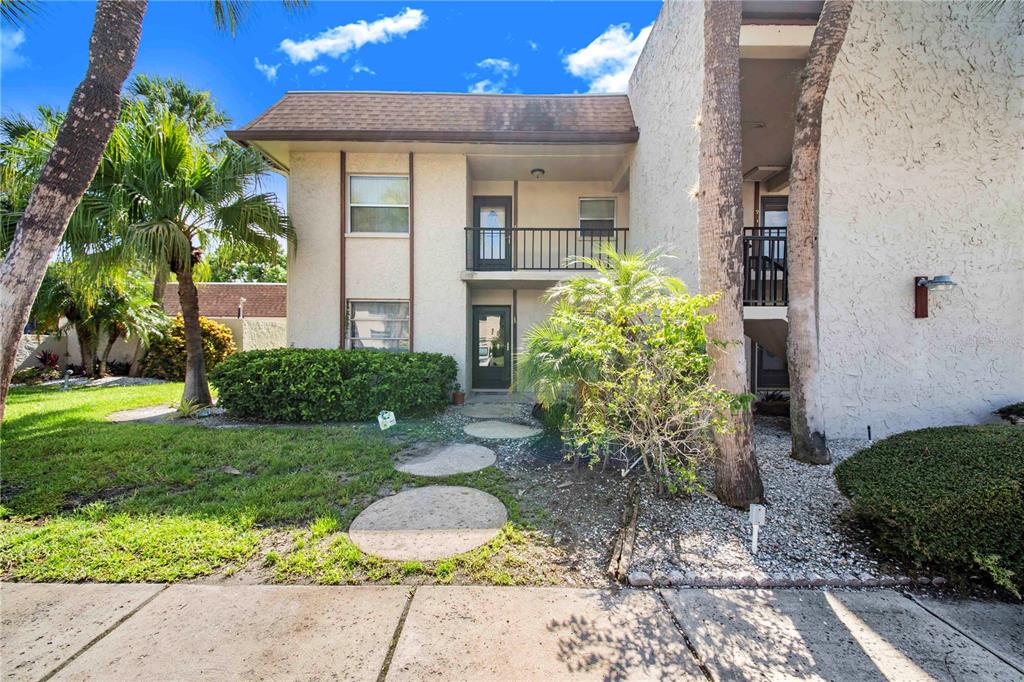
[
  {"x": 921, "y": 175},
  {"x": 665, "y": 94}
]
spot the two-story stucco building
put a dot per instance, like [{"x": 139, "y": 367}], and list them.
[{"x": 435, "y": 222}]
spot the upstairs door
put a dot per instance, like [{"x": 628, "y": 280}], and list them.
[
  {"x": 492, "y": 238},
  {"x": 492, "y": 346}
]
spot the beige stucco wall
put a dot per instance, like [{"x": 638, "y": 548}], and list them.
[
  {"x": 665, "y": 93},
  {"x": 314, "y": 198},
  {"x": 439, "y": 191},
  {"x": 921, "y": 175},
  {"x": 256, "y": 333}
]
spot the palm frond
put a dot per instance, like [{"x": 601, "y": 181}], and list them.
[
  {"x": 228, "y": 15},
  {"x": 18, "y": 12}
]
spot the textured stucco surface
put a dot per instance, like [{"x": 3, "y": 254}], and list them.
[
  {"x": 314, "y": 198},
  {"x": 256, "y": 333},
  {"x": 665, "y": 93},
  {"x": 440, "y": 311},
  {"x": 921, "y": 175}
]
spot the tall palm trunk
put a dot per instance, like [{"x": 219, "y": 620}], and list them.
[
  {"x": 76, "y": 154},
  {"x": 87, "y": 349},
  {"x": 720, "y": 228},
  {"x": 805, "y": 409},
  {"x": 197, "y": 390},
  {"x": 112, "y": 336}
]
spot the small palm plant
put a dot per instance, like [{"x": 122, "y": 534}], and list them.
[
  {"x": 626, "y": 349},
  {"x": 167, "y": 197}
]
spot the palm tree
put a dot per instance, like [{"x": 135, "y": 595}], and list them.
[
  {"x": 167, "y": 197},
  {"x": 67, "y": 173},
  {"x": 66, "y": 301},
  {"x": 552, "y": 367},
  {"x": 125, "y": 310},
  {"x": 807, "y": 426},
  {"x": 720, "y": 237}
]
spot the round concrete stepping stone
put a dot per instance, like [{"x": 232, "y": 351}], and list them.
[
  {"x": 495, "y": 430},
  {"x": 151, "y": 414},
  {"x": 458, "y": 458},
  {"x": 491, "y": 410},
  {"x": 428, "y": 523}
]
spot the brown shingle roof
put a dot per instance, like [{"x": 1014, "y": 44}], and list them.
[
  {"x": 220, "y": 299},
  {"x": 423, "y": 116}
]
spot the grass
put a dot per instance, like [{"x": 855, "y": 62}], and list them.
[{"x": 86, "y": 499}]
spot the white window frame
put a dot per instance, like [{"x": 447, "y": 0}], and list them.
[
  {"x": 349, "y": 318},
  {"x": 579, "y": 213},
  {"x": 348, "y": 200}
]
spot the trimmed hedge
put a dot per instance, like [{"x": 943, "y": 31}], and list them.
[
  {"x": 311, "y": 385},
  {"x": 950, "y": 497},
  {"x": 166, "y": 356}
]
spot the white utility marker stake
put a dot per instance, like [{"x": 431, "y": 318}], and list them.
[{"x": 756, "y": 520}]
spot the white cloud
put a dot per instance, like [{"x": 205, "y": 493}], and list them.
[
  {"x": 359, "y": 68},
  {"x": 10, "y": 41},
  {"x": 607, "y": 62},
  {"x": 318, "y": 70},
  {"x": 338, "y": 41},
  {"x": 501, "y": 68},
  {"x": 486, "y": 86},
  {"x": 533, "y": 45},
  {"x": 266, "y": 69}
]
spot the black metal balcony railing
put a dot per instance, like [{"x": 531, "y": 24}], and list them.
[
  {"x": 765, "y": 275},
  {"x": 538, "y": 248}
]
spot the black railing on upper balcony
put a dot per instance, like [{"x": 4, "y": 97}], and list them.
[
  {"x": 765, "y": 274},
  {"x": 538, "y": 248}
]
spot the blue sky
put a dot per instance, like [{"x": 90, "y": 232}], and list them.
[{"x": 529, "y": 47}]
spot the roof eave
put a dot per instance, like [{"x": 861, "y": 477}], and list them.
[{"x": 245, "y": 136}]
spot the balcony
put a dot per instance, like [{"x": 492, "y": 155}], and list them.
[
  {"x": 765, "y": 274},
  {"x": 538, "y": 248}
]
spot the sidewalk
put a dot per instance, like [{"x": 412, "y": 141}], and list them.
[{"x": 187, "y": 632}]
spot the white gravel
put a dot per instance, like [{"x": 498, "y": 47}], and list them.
[{"x": 803, "y": 537}]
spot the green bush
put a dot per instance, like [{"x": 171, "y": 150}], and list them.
[
  {"x": 949, "y": 497},
  {"x": 166, "y": 356},
  {"x": 307, "y": 384},
  {"x": 35, "y": 375}
]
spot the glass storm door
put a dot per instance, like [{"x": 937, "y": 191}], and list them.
[
  {"x": 492, "y": 349},
  {"x": 492, "y": 238}
]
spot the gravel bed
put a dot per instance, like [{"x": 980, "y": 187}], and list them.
[{"x": 804, "y": 540}]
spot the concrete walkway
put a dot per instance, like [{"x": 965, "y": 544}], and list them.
[{"x": 191, "y": 632}]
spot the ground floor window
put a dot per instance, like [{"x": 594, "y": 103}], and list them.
[{"x": 383, "y": 325}]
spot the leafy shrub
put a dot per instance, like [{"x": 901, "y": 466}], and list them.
[
  {"x": 35, "y": 375},
  {"x": 1012, "y": 413},
  {"x": 553, "y": 416},
  {"x": 950, "y": 497},
  {"x": 48, "y": 359},
  {"x": 166, "y": 356},
  {"x": 626, "y": 350},
  {"x": 309, "y": 384}
]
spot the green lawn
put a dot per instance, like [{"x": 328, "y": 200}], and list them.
[{"x": 86, "y": 499}]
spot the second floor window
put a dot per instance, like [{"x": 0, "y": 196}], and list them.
[
  {"x": 597, "y": 216},
  {"x": 379, "y": 204}
]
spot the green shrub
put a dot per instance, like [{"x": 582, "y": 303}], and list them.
[
  {"x": 166, "y": 356},
  {"x": 35, "y": 375},
  {"x": 307, "y": 384},
  {"x": 949, "y": 497}
]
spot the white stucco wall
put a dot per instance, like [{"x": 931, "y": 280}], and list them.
[
  {"x": 665, "y": 93},
  {"x": 314, "y": 198},
  {"x": 921, "y": 175},
  {"x": 440, "y": 189}
]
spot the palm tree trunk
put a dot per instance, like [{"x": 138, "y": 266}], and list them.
[
  {"x": 720, "y": 230},
  {"x": 805, "y": 414},
  {"x": 87, "y": 349},
  {"x": 112, "y": 337},
  {"x": 159, "y": 285},
  {"x": 197, "y": 390},
  {"x": 92, "y": 113}
]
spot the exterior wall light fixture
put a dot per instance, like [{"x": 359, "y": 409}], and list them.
[
  {"x": 922, "y": 285},
  {"x": 537, "y": 173}
]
